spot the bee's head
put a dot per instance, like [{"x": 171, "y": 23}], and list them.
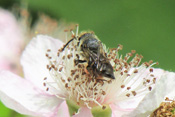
[{"x": 107, "y": 71}]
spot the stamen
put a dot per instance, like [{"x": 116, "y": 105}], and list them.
[{"x": 77, "y": 28}]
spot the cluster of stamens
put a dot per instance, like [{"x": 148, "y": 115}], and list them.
[
  {"x": 132, "y": 78},
  {"x": 166, "y": 109},
  {"x": 86, "y": 90}
]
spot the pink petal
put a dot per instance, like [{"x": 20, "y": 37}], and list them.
[
  {"x": 164, "y": 88},
  {"x": 10, "y": 33},
  {"x": 34, "y": 58},
  {"x": 63, "y": 110},
  {"x": 84, "y": 112},
  {"x": 123, "y": 107},
  {"x": 22, "y": 96},
  {"x": 11, "y": 40},
  {"x": 117, "y": 111}
]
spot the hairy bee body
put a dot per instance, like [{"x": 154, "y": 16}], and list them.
[{"x": 95, "y": 56}]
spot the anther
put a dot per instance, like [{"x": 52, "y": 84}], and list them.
[
  {"x": 126, "y": 71},
  {"x": 103, "y": 93},
  {"x": 147, "y": 64},
  {"x": 48, "y": 50},
  {"x": 66, "y": 85},
  {"x": 151, "y": 69},
  {"x": 103, "y": 107},
  {"x": 128, "y": 88},
  {"x": 135, "y": 71},
  {"x": 128, "y": 75},
  {"x": 133, "y": 51},
  {"x": 128, "y": 95},
  {"x": 151, "y": 61},
  {"x": 69, "y": 79},
  {"x": 45, "y": 78},
  {"x": 167, "y": 99},
  {"x": 63, "y": 57},
  {"x": 69, "y": 56},
  {"x": 44, "y": 84},
  {"x": 134, "y": 93},
  {"x": 47, "y": 55},
  {"x": 148, "y": 81},
  {"x": 66, "y": 30},
  {"x": 58, "y": 54},
  {"x": 150, "y": 88},
  {"x": 60, "y": 69},
  {"x": 154, "y": 80},
  {"x": 122, "y": 86}
]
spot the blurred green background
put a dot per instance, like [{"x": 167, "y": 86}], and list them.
[{"x": 147, "y": 26}]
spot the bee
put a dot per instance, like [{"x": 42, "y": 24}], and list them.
[{"x": 94, "y": 55}]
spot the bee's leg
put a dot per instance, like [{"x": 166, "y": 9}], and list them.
[
  {"x": 92, "y": 69},
  {"x": 100, "y": 80},
  {"x": 88, "y": 68},
  {"x": 79, "y": 61}
]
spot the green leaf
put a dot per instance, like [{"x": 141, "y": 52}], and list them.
[
  {"x": 104, "y": 111},
  {"x": 73, "y": 107}
]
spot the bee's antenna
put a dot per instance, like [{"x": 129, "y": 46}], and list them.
[{"x": 77, "y": 28}]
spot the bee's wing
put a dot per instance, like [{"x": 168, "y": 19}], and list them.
[{"x": 95, "y": 58}]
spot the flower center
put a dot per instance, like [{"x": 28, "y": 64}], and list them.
[
  {"x": 165, "y": 109},
  {"x": 77, "y": 84}
]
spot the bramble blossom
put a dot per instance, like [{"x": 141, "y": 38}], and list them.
[
  {"x": 11, "y": 40},
  {"x": 161, "y": 97},
  {"x": 15, "y": 33},
  {"x": 55, "y": 86}
]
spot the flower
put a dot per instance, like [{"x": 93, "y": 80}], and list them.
[
  {"x": 15, "y": 33},
  {"x": 163, "y": 92},
  {"x": 11, "y": 40},
  {"x": 55, "y": 86}
]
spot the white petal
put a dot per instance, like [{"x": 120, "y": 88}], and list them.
[
  {"x": 164, "y": 88},
  {"x": 22, "y": 96},
  {"x": 34, "y": 60},
  {"x": 118, "y": 112},
  {"x": 127, "y": 105}
]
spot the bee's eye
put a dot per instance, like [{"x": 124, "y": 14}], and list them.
[
  {"x": 108, "y": 71},
  {"x": 110, "y": 76}
]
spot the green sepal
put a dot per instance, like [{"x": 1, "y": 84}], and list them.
[
  {"x": 73, "y": 107},
  {"x": 98, "y": 111}
]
